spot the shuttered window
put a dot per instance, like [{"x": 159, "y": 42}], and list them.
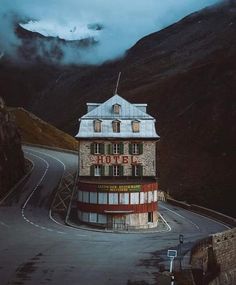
[
  {"x": 116, "y": 148},
  {"x": 97, "y": 148},
  {"x": 136, "y": 148},
  {"x": 116, "y": 170},
  {"x": 97, "y": 170},
  {"x": 137, "y": 170}
]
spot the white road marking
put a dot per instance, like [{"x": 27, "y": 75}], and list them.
[
  {"x": 3, "y": 224},
  {"x": 215, "y": 221},
  {"x": 50, "y": 214},
  {"x": 168, "y": 226},
  {"x": 55, "y": 221},
  {"x": 195, "y": 225},
  {"x": 31, "y": 194}
]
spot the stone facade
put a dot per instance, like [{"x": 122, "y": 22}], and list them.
[{"x": 146, "y": 159}]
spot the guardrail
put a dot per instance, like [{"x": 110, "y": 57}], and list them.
[{"x": 204, "y": 211}]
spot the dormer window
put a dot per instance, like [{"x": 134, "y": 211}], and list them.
[
  {"x": 116, "y": 109},
  {"x": 97, "y": 125},
  {"x": 136, "y": 126},
  {"x": 116, "y": 126}
]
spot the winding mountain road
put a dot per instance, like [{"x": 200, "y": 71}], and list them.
[{"x": 34, "y": 249}]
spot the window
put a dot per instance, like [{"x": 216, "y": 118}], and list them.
[
  {"x": 93, "y": 198},
  {"x": 134, "y": 198},
  {"x": 85, "y": 197},
  {"x": 124, "y": 198},
  {"x": 97, "y": 170},
  {"x": 135, "y": 126},
  {"x": 150, "y": 217},
  {"x": 116, "y": 108},
  {"x": 113, "y": 198},
  {"x": 97, "y": 125},
  {"x": 150, "y": 196},
  {"x": 102, "y": 198},
  {"x": 136, "y": 148},
  {"x": 97, "y": 148},
  {"x": 116, "y": 170},
  {"x": 116, "y": 148},
  {"x": 116, "y": 126},
  {"x": 137, "y": 170}
]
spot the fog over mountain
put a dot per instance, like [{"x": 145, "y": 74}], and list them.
[{"x": 114, "y": 25}]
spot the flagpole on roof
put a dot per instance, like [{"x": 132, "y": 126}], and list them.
[{"x": 117, "y": 83}]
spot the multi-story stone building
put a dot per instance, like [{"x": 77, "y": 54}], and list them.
[{"x": 117, "y": 185}]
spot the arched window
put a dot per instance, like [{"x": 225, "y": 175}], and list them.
[
  {"x": 116, "y": 126},
  {"x": 97, "y": 125}
]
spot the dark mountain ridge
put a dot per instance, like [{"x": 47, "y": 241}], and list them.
[{"x": 186, "y": 74}]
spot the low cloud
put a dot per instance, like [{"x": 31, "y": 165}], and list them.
[{"x": 124, "y": 22}]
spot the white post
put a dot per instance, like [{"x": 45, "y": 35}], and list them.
[
  {"x": 171, "y": 264},
  {"x": 171, "y": 270}
]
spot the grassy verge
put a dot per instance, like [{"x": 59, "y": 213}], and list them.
[{"x": 36, "y": 131}]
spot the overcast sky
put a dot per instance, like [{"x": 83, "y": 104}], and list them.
[{"x": 124, "y": 21}]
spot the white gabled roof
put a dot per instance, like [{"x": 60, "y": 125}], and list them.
[
  {"x": 105, "y": 110},
  {"x": 128, "y": 113}
]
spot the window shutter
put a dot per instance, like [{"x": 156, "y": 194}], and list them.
[
  {"x": 102, "y": 148},
  {"x": 92, "y": 170},
  {"x": 130, "y": 148},
  {"x": 109, "y": 150},
  {"x": 121, "y": 170},
  {"x": 121, "y": 148},
  {"x": 133, "y": 170},
  {"x": 110, "y": 170},
  {"x": 92, "y": 148},
  {"x": 140, "y": 148},
  {"x": 140, "y": 170},
  {"x": 103, "y": 170}
]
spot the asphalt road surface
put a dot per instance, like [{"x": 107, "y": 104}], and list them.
[{"x": 34, "y": 249}]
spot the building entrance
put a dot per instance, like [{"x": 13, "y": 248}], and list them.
[{"x": 117, "y": 222}]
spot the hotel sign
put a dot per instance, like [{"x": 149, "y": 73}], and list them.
[
  {"x": 119, "y": 188},
  {"x": 116, "y": 159}
]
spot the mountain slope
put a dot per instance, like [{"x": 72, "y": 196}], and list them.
[
  {"x": 35, "y": 131},
  {"x": 187, "y": 75}
]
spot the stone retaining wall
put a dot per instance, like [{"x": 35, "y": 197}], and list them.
[{"x": 215, "y": 259}]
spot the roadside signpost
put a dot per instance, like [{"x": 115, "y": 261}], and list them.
[
  {"x": 181, "y": 241},
  {"x": 171, "y": 253}
]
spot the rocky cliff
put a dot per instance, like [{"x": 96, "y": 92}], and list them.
[{"x": 12, "y": 164}]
